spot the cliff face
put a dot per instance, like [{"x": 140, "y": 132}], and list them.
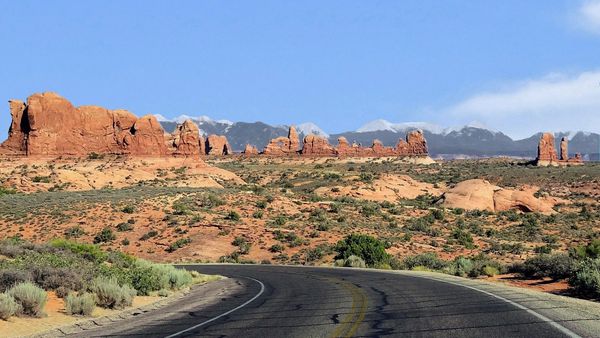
[{"x": 49, "y": 125}]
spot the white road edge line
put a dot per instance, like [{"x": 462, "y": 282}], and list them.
[
  {"x": 262, "y": 289},
  {"x": 545, "y": 319}
]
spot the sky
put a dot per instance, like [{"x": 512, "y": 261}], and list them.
[{"x": 515, "y": 66}]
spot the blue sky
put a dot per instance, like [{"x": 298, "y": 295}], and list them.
[{"x": 516, "y": 66}]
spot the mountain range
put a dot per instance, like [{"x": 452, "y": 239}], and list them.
[{"x": 469, "y": 141}]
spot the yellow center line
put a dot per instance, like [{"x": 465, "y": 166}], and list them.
[{"x": 351, "y": 322}]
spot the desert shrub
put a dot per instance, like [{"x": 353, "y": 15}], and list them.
[
  {"x": 105, "y": 235},
  {"x": 428, "y": 260},
  {"x": 242, "y": 244},
  {"x": 482, "y": 265},
  {"x": 82, "y": 304},
  {"x": 556, "y": 266},
  {"x": 124, "y": 227},
  {"x": 128, "y": 209},
  {"x": 438, "y": 214},
  {"x": 368, "y": 248},
  {"x": 490, "y": 271},
  {"x": 461, "y": 266},
  {"x": 178, "y": 244},
  {"x": 10, "y": 277},
  {"x": 87, "y": 251},
  {"x": 463, "y": 238},
  {"x": 8, "y": 306},
  {"x": 591, "y": 250},
  {"x": 111, "y": 295},
  {"x": 586, "y": 278},
  {"x": 179, "y": 278},
  {"x": 30, "y": 297},
  {"x": 148, "y": 235},
  {"x": 276, "y": 248},
  {"x": 51, "y": 278},
  {"x": 233, "y": 216},
  {"x": 350, "y": 262},
  {"x": 146, "y": 277},
  {"x": 211, "y": 201},
  {"x": 74, "y": 232}
]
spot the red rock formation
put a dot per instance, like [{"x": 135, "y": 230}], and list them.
[
  {"x": 281, "y": 146},
  {"x": 250, "y": 150},
  {"x": 317, "y": 146},
  {"x": 564, "y": 149},
  {"x": 417, "y": 145},
  {"x": 49, "y": 125},
  {"x": 217, "y": 145},
  {"x": 547, "y": 152},
  {"x": 186, "y": 139}
]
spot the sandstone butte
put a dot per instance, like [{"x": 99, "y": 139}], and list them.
[
  {"x": 547, "y": 155},
  {"x": 49, "y": 125}
]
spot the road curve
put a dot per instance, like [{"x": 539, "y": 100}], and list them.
[{"x": 282, "y": 301}]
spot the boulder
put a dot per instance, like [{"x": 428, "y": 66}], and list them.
[
  {"x": 478, "y": 194},
  {"x": 217, "y": 145}
]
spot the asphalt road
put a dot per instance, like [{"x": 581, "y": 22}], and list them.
[{"x": 279, "y": 301}]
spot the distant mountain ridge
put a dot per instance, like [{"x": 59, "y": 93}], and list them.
[{"x": 473, "y": 140}]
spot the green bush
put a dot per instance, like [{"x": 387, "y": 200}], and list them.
[
  {"x": 557, "y": 266},
  {"x": 233, "y": 216},
  {"x": 88, "y": 251},
  {"x": 178, "y": 244},
  {"x": 83, "y": 304},
  {"x": 490, "y": 271},
  {"x": 128, "y": 209},
  {"x": 586, "y": 278},
  {"x": 124, "y": 227},
  {"x": 591, "y": 250},
  {"x": 428, "y": 260},
  {"x": 179, "y": 278},
  {"x": 354, "y": 262},
  {"x": 368, "y": 248},
  {"x": 461, "y": 266},
  {"x": 8, "y": 306},
  {"x": 74, "y": 232},
  {"x": 30, "y": 297},
  {"x": 105, "y": 235},
  {"x": 111, "y": 295}
]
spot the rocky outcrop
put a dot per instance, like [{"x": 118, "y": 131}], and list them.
[
  {"x": 479, "y": 194},
  {"x": 217, "y": 145},
  {"x": 49, "y": 125},
  {"x": 547, "y": 155},
  {"x": 317, "y": 146},
  {"x": 564, "y": 149},
  {"x": 250, "y": 150},
  {"x": 282, "y": 146},
  {"x": 186, "y": 140},
  {"x": 414, "y": 145}
]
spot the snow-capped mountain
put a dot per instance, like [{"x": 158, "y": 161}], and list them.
[
  {"x": 380, "y": 124},
  {"x": 310, "y": 128},
  {"x": 471, "y": 140}
]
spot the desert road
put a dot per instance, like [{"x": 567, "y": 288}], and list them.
[{"x": 281, "y": 301}]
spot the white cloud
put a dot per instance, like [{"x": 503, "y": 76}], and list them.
[
  {"x": 555, "y": 103},
  {"x": 588, "y": 16}
]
